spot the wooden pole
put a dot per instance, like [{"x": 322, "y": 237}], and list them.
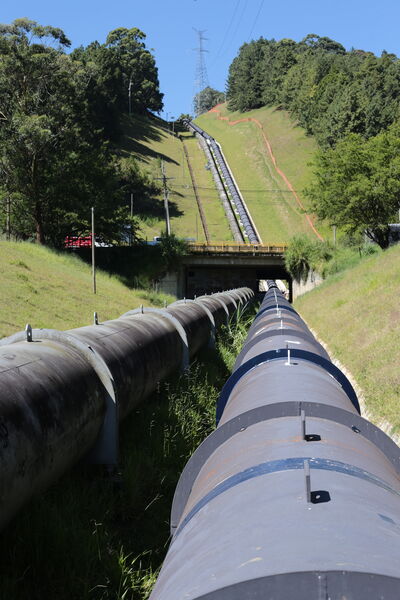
[
  {"x": 166, "y": 207},
  {"x": 8, "y": 224},
  {"x": 131, "y": 234},
  {"x": 93, "y": 255}
]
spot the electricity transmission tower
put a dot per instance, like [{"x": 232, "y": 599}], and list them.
[{"x": 201, "y": 79}]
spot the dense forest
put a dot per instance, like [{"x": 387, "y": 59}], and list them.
[
  {"x": 350, "y": 102},
  {"x": 330, "y": 91},
  {"x": 60, "y": 116}
]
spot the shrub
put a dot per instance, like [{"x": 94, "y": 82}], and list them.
[
  {"x": 304, "y": 255},
  {"x": 172, "y": 249}
]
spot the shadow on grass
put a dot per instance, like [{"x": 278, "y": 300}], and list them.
[
  {"x": 154, "y": 207},
  {"x": 136, "y": 266},
  {"x": 141, "y": 130}
]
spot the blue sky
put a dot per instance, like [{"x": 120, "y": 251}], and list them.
[{"x": 169, "y": 27}]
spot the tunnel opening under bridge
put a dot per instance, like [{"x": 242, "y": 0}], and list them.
[{"x": 200, "y": 280}]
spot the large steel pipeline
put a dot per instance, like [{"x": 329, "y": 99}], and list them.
[
  {"x": 63, "y": 393},
  {"x": 294, "y": 496},
  {"x": 245, "y": 219}
]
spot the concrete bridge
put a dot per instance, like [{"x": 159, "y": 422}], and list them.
[
  {"x": 213, "y": 267},
  {"x": 207, "y": 268}
]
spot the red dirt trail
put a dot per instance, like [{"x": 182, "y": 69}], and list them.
[{"x": 273, "y": 159}]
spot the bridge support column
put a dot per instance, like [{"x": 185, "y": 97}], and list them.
[{"x": 173, "y": 283}]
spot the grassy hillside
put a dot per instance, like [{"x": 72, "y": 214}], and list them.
[
  {"x": 356, "y": 312},
  {"x": 149, "y": 141},
  {"x": 53, "y": 290},
  {"x": 275, "y": 210},
  {"x": 213, "y": 210}
]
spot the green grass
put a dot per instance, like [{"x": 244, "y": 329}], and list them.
[
  {"x": 89, "y": 539},
  {"x": 346, "y": 257},
  {"x": 214, "y": 212},
  {"x": 356, "y": 312},
  {"x": 52, "y": 290},
  {"x": 149, "y": 141},
  {"x": 275, "y": 211}
]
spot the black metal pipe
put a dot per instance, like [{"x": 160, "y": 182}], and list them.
[
  {"x": 294, "y": 495},
  {"x": 62, "y": 393},
  {"x": 244, "y": 217}
]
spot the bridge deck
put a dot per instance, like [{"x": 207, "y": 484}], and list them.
[{"x": 235, "y": 248}]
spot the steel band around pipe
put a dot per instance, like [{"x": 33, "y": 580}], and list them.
[
  {"x": 279, "y": 465},
  {"x": 222, "y": 434},
  {"x": 281, "y": 354}
]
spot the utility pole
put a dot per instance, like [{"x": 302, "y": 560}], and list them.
[
  {"x": 131, "y": 213},
  {"x": 165, "y": 188},
  {"x": 8, "y": 222},
  {"x": 164, "y": 179},
  {"x": 93, "y": 255}
]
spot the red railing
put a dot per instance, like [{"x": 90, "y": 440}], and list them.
[{"x": 76, "y": 241}]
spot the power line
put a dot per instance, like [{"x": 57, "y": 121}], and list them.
[
  {"x": 240, "y": 20},
  {"x": 256, "y": 19},
  {"x": 243, "y": 189},
  {"x": 226, "y": 32}
]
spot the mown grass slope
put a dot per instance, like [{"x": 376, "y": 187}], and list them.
[
  {"x": 356, "y": 312},
  {"x": 274, "y": 208},
  {"x": 150, "y": 142},
  {"x": 51, "y": 290}
]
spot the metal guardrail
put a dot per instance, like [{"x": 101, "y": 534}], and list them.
[{"x": 236, "y": 247}]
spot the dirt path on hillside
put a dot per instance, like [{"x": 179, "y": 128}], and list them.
[{"x": 273, "y": 160}]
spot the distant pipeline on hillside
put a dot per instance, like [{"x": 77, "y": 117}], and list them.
[
  {"x": 243, "y": 215},
  {"x": 294, "y": 496}
]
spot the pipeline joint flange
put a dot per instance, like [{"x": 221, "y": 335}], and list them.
[
  {"x": 160, "y": 312},
  {"x": 211, "y": 343},
  {"x": 279, "y": 354},
  {"x": 106, "y": 447}
]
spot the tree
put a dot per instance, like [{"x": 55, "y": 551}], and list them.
[
  {"x": 329, "y": 91},
  {"x": 173, "y": 249},
  {"x": 125, "y": 70},
  {"x": 357, "y": 184},
  {"x": 206, "y": 99},
  {"x": 184, "y": 117},
  {"x": 55, "y": 159},
  {"x": 36, "y": 81},
  {"x": 246, "y": 76},
  {"x": 323, "y": 43}
]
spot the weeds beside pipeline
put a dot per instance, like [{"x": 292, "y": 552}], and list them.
[{"x": 92, "y": 538}]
